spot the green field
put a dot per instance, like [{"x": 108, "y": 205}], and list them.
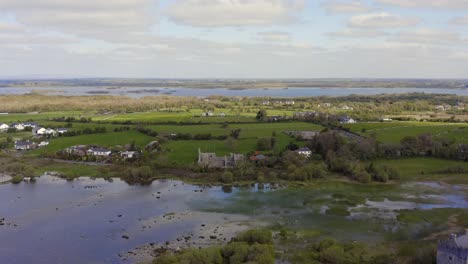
[
  {"x": 37, "y": 117},
  {"x": 393, "y": 132},
  {"x": 107, "y": 139},
  {"x": 426, "y": 169}
]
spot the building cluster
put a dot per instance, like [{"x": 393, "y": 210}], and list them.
[
  {"x": 210, "y": 114},
  {"x": 446, "y": 107},
  {"x": 278, "y": 102},
  {"x": 210, "y": 160},
  {"x": 453, "y": 250},
  {"x": 36, "y": 129},
  {"x": 324, "y": 117},
  {"x": 98, "y": 151}
]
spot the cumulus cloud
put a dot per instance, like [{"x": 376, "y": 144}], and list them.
[
  {"x": 382, "y": 20},
  {"x": 233, "y": 13},
  {"x": 275, "y": 36},
  {"x": 446, "y": 4},
  {"x": 96, "y": 18},
  {"x": 357, "y": 33},
  {"x": 429, "y": 36},
  {"x": 345, "y": 7},
  {"x": 461, "y": 21}
]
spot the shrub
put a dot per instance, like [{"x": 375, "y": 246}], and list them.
[
  {"x": 227, "y": 177},
  {"x": 17, "y": 179}
]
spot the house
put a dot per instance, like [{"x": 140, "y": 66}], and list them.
[
  {"x": 24, "y": 145},
  {"x": 386, "y": 119},
  {"x": 454, "y": 250},
  {"x": 222, "y": 114},
  {"x": 4, "y": 127},
  {"x": 79, "y": 150},
  {"x": 98, "y": 152},
  {"x": 266, "y": 102},
  {"x": 209, "y": 113},
  {"x": 62, "y": 130},
  {"x": 210, "y": 160},
  {"x": 345, "y": 107},
  {"x": 346, "y": 120},
  {"x": 304, "y": 151},
  {"x": 39, "y": 131},
  {"x": 30, "y": 124},
  {"x": 129, "y": 154},
  {"x": 18, "y": 126},
  {"x": 258, "y": 156},
  {"x": 43, "y": 143}
]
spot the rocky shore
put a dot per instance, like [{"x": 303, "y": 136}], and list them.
[{"x": 214, "y": 229}]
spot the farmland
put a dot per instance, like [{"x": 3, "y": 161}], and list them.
[{"x": 393, "y": 132}]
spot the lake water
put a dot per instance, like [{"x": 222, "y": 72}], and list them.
[
  {"x": 83, "y": 221},
  {"x": 289, "y": 92}
]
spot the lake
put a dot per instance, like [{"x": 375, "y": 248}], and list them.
[
  {"x": 98, "y": 221},
  {"x": 274, "y": 92}
]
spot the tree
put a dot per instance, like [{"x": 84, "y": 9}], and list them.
[
  {"x": 261, "y": 115},
  {"x": 263, "y": 144},
  {"x": 235, "y": 133}
]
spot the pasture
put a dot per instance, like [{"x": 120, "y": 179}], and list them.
[{"x": 393, "y": 132}]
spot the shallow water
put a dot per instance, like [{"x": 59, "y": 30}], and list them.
[
  {"x": 274, "y": 92},
  {"x": 83, "y": 221}
]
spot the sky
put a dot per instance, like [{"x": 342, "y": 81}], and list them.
[{"x": 234, "y": 38}]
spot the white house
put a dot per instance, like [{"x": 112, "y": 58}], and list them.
[
  {"x": 18, "y": 126},
  {"x": 99, "y": 152},
  {"x": 30, "y": 124},
  {"x": 43, "y": 143},
  {"x": 62, "y": 130},
  {"x": 129, "y": 154},
  {"x": 4, "y": 127},
  {"x": 39, "y": 131},
  {"x": 51, "y": 132},
  {"x": 304, "y": 151},
  {"x": 347, "y": 120}
]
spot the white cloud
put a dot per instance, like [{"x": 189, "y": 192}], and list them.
[
  {"x": 275, "y": 36},
  {"x": 429, "y": 36},
  {"x": 95, "y": 18},
  {"x": 461, "y": 21},
  {"x": 445, "y": 4},
  {"x": 357, "y": 33},
  {"x": 382, "y": 20},
  {"x": 345, "y": 7},
  {"x": 233, "y": 13}
]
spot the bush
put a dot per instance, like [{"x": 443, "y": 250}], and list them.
[
  {"x": 260, "y": 236},
  {"x": 17, "y": 179},
  {"x": 227, "y": 177}
]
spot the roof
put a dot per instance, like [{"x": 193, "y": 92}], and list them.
[
  {"x": 462, "y": 241},
  {"x": 303, "y": 149},
  {"x": 23, "y": 143},
  {"x": 62, "y": 129},
  {"x": 99, "y": 150}
]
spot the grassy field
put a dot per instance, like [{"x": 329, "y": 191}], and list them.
[
  {"x": 37, "y": 117},
  {"x": 426, "y": 169},
  {"x": 393, "y": 132},
  {"x": 107, "y": 139},
  {"x": 185, "y": 152},
  {"x": 189, "y": 115}
]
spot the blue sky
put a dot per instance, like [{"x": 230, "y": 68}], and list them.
[{"x": 234, "y": 38}]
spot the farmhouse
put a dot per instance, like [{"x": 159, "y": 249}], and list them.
[
  {"x": 346, "y": 120},
  {"x": 18, "y": 126},
  {"x": 304, "y": 151},
  {"x": 30, "y": 124},
  {"x": 40, "y": 131},
  {"x": 129, "y": 154},
  {"x": 79, "y": 150},
  {"x": 24, "y": 145},
  {"x": 43, "y": 143},
  {"x": 454, "y": 250},
  {"x": 4, "y": 127},
  {"x": 210, "y": 160},
  {"x": 62, "y": 130},
  {"x": 257, "y": 156},
  {"x": 98, "y": 152}
]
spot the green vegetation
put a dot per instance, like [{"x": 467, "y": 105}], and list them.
[{"x": 253, "y": 246}]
